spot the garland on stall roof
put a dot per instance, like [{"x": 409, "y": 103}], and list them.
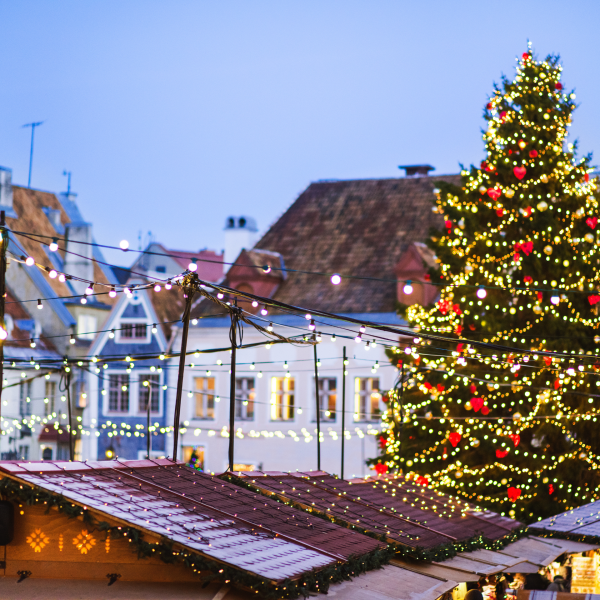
[
  {"x": 565, "y": 535},
  {"x": 438, "y": 553},
  {"x": 209, "y": 570}
]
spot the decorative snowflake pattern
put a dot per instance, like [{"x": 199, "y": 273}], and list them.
[
  {"x": 84, "y": 542},
  {"x": 37, "y": 540}
]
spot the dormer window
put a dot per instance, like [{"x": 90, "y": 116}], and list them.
[{"x": 133, "y": 332}]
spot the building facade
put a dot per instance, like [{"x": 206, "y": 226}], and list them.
[{"x": 369, "y": 232}]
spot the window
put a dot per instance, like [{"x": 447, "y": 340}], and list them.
[
  {"x": 149, "y": 392},
  {"x": 161, "y": 269},
  {"x": 194, "y": 456},
  {"x": 327, "y": 398},
  {"x": 24, "y": 452},
  {"x": 282, "y": 398},
  {"x": 86, "y": 327},
  {"x": 118, "y": 393},
  {"x": 244, "y": 398},
  {"x": 205, "y": 397},
  {"x": 367, "y": 399},
  {"x": 50, "y": 397},
  {"x": 133, "y": 331},
  {"x": 25, "y": 398}
]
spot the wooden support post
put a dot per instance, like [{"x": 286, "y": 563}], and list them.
[
  {"x": 148, "y": 434},
  {"x": 3, "y": 248},
  {"x": 70, "y": 426},
  {"x": 188, "y": 289},
  {"x": 343, "y": 410},
  {"x": 232, "y": 388},
  {"x": 318, "y": 410}
]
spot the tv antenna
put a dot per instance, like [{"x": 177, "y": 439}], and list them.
[
  {"x": 67, "y": 174},
  {"x": 33, "y": 126}
]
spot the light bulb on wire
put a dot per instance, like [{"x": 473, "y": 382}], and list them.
[
  {"x": 53, "y": 247},
  {"x": 336, "y": 279},
  {"x": 124, "y": 245},
  {"x": 481, "y": 292},
  {"x": 408, "y": 288}
]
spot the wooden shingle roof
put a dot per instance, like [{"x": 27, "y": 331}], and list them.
[{"x": 404, "y": 512}]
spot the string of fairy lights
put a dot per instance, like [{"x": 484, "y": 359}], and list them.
[{"x": 509, "y": 232}]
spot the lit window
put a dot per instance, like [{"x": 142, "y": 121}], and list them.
[
  {"x": 282, "y": 398},
  {"x": 205, "y": 397},
  {"x": 367, "y": 399},
  {"x": 327, "y": 398}
]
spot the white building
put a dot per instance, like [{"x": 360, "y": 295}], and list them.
[{"x": 368, "y": 231}]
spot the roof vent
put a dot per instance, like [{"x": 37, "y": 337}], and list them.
[{"x": 417, "y": 170}]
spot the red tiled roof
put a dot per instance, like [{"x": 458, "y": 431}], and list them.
[
  {"x": 358, "y": 227},
  {"x": 404, "y": 512},
  {"x": 199, "y": 512}
]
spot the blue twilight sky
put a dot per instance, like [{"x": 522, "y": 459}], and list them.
[{"x": 173, "y": 115}]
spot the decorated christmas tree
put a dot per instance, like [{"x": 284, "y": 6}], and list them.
[{"x": 509, "y": 424}]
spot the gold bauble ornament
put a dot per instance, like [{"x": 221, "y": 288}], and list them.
[
  {"x": 504, "y": 481},
  {"x": 509, "y": 193},
  {"x": 468, "y": 406},
  {"x": 537, "y": 309},
  {"x": 542, "y": 206},
  {"x": 589, "y": 238},
  {"x": 482, "y": 189},
  {"x": 475, "y": 442},
  {"x": 458, "y": 474},
  {"x": 546, "y": 116},
  {"x": 548, "y": 250},
  {"x": 544, "y": 178}
]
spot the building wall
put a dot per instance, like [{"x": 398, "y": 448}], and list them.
[
  {"x": 263, "y": 442},
  {"x": 127, "y": 428}
]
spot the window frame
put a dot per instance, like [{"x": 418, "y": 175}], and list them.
[
  {"x": 110, "y": 411},
  {"x": 142, "y": 389},
  {"x": 50, "y": 406},
  {"x": 121, "y": 339},
  {"x": 245, "y": 394}
]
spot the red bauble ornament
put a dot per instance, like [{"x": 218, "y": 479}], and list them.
[
  {"x": 501, "y": 453},
  {"x": 550, "y": 489},
  {"x": 586, "y": 177},
  {"x": 440, "y": 387},
  {"x": 454, "y": 438},
  {"x": 422, "y": 480},
  {"x": 526, "y": 56},
  {"x": 519, "y": 172},
  {"x": 533, "y": 153},
  {"x": 513, "y": 493},
  {"x": 592, "y": 222},
  {"x": 485, "y": 410},
  {"x": 516, "y": 438},
  {"x": 528, "y": 279},
  {"x": 381, "y": 468},
  {"x": 494, "y": 193},
  {"x": 483, "y": 164},
  {"x": 548, "y": 360},
  {"x": 476, "y": 403},
  {"x": 593, "y": 299},
  {"x": 448, "y": 224},
  {"x": 499, "y": 212},
  {"x": 472, "y": 388},
  {"x": 556, "y": 384},
  {"x": 558, "y": 85}
]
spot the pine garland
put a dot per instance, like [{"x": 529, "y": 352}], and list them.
[{"x": 565, "y": 535}]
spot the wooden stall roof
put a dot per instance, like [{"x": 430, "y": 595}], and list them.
[
  {"x": 584, "y": 520},
  {"x": 403, "y": 511},
  {"x": 201, "y": 513}
]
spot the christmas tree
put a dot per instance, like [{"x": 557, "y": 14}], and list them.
[{"x": 510, "y": 425}]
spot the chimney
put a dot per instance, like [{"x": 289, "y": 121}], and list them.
[
  {"x": 74, "y": 265},
  {"x": 240, "y": 233},
  {"x": 6, "y": 192},
  {"x": 417, "y": 170}
]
